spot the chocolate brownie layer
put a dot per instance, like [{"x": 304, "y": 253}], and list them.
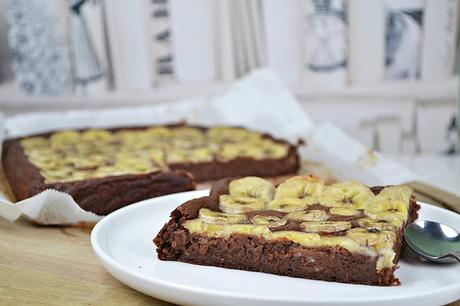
[
  {"x": 101, "y": 195},
  {"x": 280, "y": 256}
]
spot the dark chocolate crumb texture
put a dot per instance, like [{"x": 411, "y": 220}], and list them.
[
  {"x": 345, "y": 232},
  {"x": 104, "y": 169}
]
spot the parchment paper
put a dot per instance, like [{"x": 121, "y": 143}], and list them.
[{"x": 259, "y": 101}]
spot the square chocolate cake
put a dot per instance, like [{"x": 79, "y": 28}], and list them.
[
  {"x": 344, "y": 232},
  {"x": 105, "y": 169}
]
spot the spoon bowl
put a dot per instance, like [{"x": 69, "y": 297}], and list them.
[{"x": 433, "y": 241}]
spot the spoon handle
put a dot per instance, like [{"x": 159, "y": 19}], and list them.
[{"x": 455, "y": 255}]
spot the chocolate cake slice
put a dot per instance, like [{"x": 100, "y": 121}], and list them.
[
  {"x": 105, "y": 169},
  {"x": 344, "y": 232}
]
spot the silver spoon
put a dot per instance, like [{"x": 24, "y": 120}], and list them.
[{"x": 433, "y": 241}]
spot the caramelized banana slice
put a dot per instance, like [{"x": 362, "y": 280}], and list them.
[
  {"x": 391, "y": 204},
  {"x": 230, "y": 134},
  {"x": 252, "y": 186},
  {"x": 33, "y": 143},
  {"x": 367, "y": 238},
  {"x": 210, "y": 216},
  {"x": 185, "y": 132},
  {"x": 378, "y": 225},
  {"x": 202, "y": 154},
  {"x": 396, "y": 193},
  {"x": 382, "y": 209},
  {"x": 325, "y": 226},
  {"x": 96, "y": 135},
  {"x": 270, "y": 221},
  {"x": 158, "y": 157},
  {"x": 64, "y": 138},
  {"x": 240, "y": 204},
  {"x": 230, "y": 151},
  {"x": 312, "y": 215},
  {"x": 272, "y": 149},
  {"x": 307, "y": 239},
  {"x": 347, "y": 194},
  {"x": 288, "y": 205},
  {"x": 225, "y": 230},
  {"x": 344, "y": 211},
  {"x": 159, "y": 133},
  {"x": 306, "y": 188}
]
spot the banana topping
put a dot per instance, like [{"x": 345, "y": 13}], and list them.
[
  {"x": 344, "y": 211},
  {"x": 240, "y": 205},
  {"x": 325, "y": 226},
  {"x": 95, "y": 153},
  {"x": 311, "y": 215},
  {"x": 347, "y": 194},
  {"x": 246, "y": 194},
  {"x": 396, "y": 193},
  {"x": 270, "y": 221},
  {"x": 252, "y": 186},
  {"x": 370, "y": 238},
  {"x": 225, "y": 230},
  {"x": 288, "y": 205},
  {"x": 306, "y": 188},
  {"x": 382, "y": 209},
  {"x": 209, "y": 216},
  {"x": 377, "y": 225},
  {"x": 378, "y": 217}
]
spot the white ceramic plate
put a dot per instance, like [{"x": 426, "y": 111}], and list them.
[{"x": 123, "y": 243}]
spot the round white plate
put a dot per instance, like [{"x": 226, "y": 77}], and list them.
[{"x": 123, "y": 243}]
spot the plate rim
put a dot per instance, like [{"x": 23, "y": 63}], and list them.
[{"x": 106, "y": 259}]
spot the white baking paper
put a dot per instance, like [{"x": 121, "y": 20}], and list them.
[{"x": 259, "y": 101}]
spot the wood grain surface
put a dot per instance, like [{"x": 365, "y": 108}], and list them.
[{"x": 56, "y": 266}]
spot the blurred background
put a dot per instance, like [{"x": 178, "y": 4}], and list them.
[{"x": 385, "y": 71}]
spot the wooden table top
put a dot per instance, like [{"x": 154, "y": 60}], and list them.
[{"x": 56, "y": 266}]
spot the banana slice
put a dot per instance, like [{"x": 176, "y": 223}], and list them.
[
  {"x": 177, "y": 156},
  {"x": 366, "y": 238},
  {"x": 396, "y": 193},
  {"x": 64, "y": 138},
  {"x": 187, "y": 137},
  {"x": 34, "y": 143},
  {"x": 230, "y": 151},
  {"x": 391, "y": 204},
  {"x": 225, "y": 230},
  {"x": 288, "y": 205},
  {"x": 306, "y": 239},
  {"x": 159, "y": 133},
  {"x": 229, "y": 134},
  {"x": 347, "y": 194},
  {"x": 185, "y": 132},
  {"x": 272, "y": 149},
  {"x": 312, "y": 215},
  {"x": 383, "y": 209},
  {"x": 81, "y": 163},
  {"x": 201, "y": 154},
  {"x": 240, "y": 204},
  {"x": 97, "y": 135},
  {"x": 270, "y": 221},
  {"x": 378, "y": 225},
  {"x": 344, "y": 211},
  {"x": 325, "y": 226},
  {"x": 307, "y": 188},
  {"x": 214, "y": 217},
  {"x": 252, "y": 186},
  {"x": 158, "y": 157}
]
